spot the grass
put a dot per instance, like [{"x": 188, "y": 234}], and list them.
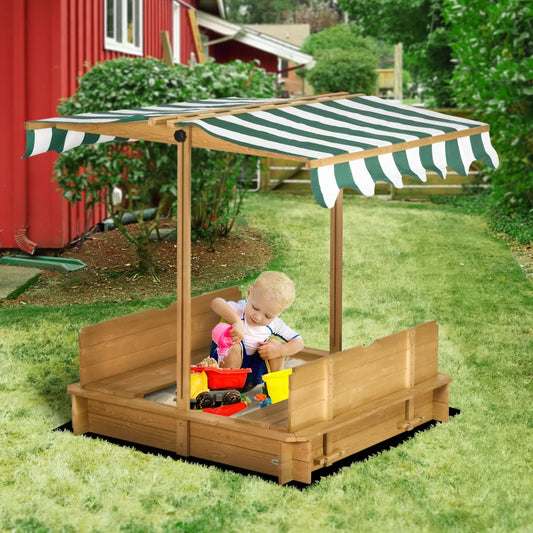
[{"x": 404, "y": 264}]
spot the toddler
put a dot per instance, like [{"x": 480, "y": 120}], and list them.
[{"x": 254, "y": 321}]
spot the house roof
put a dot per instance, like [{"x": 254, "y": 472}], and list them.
[
  {"x": 295, "y": 34},
  {"x": 345, "y": 140},
  {"x": 256, "y": 39}
]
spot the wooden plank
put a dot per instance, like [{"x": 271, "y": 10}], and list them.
[
  {"x": 335, "y": 276},
  {"x": 183, "y": 438},
  {"x": 361, "y": 355},
  {"x": 127, "y": 363},
  {"x": 250, "y": 459},
  {"x": 121, "y": 326},
  {"x": 129, "y": 344},
  {"x": 261, "y": 106},
  {"x": 441, "y": 403},
  {"x": 131, "y": 432},
  {"x": 202, "y": 303},
  {"x": 80, "y": 415},
  {"x": 308, "y": 394},
  {"x": 167, "y": 47},
  {"x": 392, "y": 365},
  {"x": 312, "y": 414},
  {"x": 136, "y": 383},
  {"x": 198, "y": 45},
  {"x": 365, "y": 393},
  {"x": 131, "y": 415},
  {"x": 233, "y": 437}
]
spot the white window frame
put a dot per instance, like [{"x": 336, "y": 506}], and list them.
[
  {"x": 176, "y": 32},
  {"x": 117, "y": 40}
]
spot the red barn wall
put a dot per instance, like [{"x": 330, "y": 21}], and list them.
[{"x": 47, "y": 46}]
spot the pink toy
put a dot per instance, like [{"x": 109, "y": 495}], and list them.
[{"x": 222, "y": 338}]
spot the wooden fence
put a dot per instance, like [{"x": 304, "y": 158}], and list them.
[{"x": 290, "y": 177}]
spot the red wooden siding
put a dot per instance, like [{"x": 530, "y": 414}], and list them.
[{"x": 47, "y": 46}]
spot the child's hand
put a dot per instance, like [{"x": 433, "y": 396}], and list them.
[
  {"x": 270, "y": 349},
  {"x": 237, "y": 332}
]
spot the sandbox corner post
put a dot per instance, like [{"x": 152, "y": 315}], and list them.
[{"x": 183, "y": 348}]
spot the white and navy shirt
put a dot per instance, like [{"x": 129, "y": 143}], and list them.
[{"x": 253, "y": 335}]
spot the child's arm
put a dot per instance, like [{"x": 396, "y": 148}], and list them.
[
  {"x": 273, "y": 348},
  {"x": 225, "y": 311}
]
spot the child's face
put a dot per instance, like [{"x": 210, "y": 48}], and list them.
[{"x": 261, "y": 308}]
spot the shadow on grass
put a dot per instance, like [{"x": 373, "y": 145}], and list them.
[{"x": 317, "y": 475}]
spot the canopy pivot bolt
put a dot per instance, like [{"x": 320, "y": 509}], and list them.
[{"x": 180, "y": 136}]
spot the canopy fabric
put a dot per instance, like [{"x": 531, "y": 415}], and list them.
[{"x": 346, "y": 141}]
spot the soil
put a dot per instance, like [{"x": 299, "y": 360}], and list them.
[{"x": 111, "y": 274}]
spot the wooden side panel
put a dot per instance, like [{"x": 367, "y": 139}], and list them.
[
  {"x": 426, "y": 351},
  {"x": 80, "y": 415},
  {"x": 364, "y": 374},
  {"x": 122, "y": 344},
  {"x": 441, "y": 403},
  {"x": 308, "y": 396},
  {"x": 390, "y": 364},
  {"x": 367, "y": 432},
  {"x": 235, "y": 448},
  {"x": 126, "y": 343},
  {"x": 133, "y": 425}
]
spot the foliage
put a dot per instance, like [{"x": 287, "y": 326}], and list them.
[
  {"x": 344, "y": 70},
  {"x": 146, "y": 171},
  {"x": 264, "y": 12},
  {"x": 494, "y": 76},
  {"x": 345, "y": 61},
  {"x": 518, "y": 226},
  {"x": 319, "y": 14},
  {"x": 419, "y": 25},
  {"x": 413, "y": 263}
]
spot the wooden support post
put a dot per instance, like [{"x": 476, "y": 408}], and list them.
[
  {"x": 410, "y": 373},
  {"x": 200, "y": 56},
  {"x": 80, "y": 415},
  {"x": 398, "y": 72},
  {"x": 335, "y": 277},
  {"x": 167, "y": 48},
  {"x": 183, "y": 351}
]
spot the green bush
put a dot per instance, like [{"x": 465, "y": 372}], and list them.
[
  {"x": 494, "y": 76},
  {"x": 344, "y": 70},
  {"x": 345, "y": 60},
  {"x": 146, "y": 171}
]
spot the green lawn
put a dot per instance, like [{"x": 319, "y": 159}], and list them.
[{"x": 404, "y": 264}]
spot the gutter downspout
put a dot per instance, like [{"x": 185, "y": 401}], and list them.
[{"x": 20, "y": 196}]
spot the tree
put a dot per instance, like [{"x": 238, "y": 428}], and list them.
[
  {"x": 345, "y": 61},
  {"x": 319, "y": 14},
  {"x": 146, "y": 171},
  {"x": 420, "y": 26},
  {"x": 264, "y": 12},
  {"x": 493, "y": 47}
]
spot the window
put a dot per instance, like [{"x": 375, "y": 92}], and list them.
[{"x": 123, "y": 26}]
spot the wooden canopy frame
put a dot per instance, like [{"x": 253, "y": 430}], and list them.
[{"x": 332, "y": 411}]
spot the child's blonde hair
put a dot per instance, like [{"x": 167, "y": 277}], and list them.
[{"x": 281, "y": 286}]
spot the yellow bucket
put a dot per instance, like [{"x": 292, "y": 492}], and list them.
[{"x": 278, "y": 384}]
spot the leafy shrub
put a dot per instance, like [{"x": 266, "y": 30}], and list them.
[
  {"x": 344, "y": 70},
  {"x": 146, "y": 171},
  {"x": 494, "y": 51},
  {"x": 345, "y": 61}
]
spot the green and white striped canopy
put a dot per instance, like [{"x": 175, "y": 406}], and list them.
[{"x": 345, "y": 141}]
